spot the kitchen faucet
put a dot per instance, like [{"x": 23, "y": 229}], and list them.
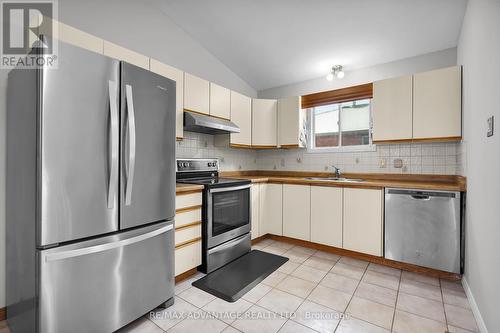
[{"x": 336, "y": 170}]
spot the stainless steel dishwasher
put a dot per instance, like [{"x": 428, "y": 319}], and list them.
[{"x": 424, "y": 228}]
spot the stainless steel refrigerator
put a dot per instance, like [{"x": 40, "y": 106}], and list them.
[{"x": 91, "y": 194}]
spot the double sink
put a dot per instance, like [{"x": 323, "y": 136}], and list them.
[{"x": 335, "y": 179}]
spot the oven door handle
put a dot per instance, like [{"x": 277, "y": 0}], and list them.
[{"x": 228, "y": 189}]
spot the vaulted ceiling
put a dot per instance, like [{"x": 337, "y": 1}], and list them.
[{"x": 270, "y": 43}]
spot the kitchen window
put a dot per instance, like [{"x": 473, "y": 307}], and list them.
[{"x": 344, "y": 126}]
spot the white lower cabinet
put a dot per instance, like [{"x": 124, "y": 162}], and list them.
[
  {"x": 254, "y": 202},
  {"x": 271, "y": 205},
  {"x": 187, "y": 257},
  {"x": 326, "y": 215},
  {"x": 349, "y": 218},
  {"x": 363, "y": 220},
  {"x": 187, "y": 231},
  {"x": 297, "y": 211}
]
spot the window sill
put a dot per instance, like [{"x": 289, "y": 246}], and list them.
[{"x": 345, "y": 149}]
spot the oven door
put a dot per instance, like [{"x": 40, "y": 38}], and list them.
[{"x": 228, "y": 213}]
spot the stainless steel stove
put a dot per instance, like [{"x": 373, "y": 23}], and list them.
[{"x": 225, "y": 212}]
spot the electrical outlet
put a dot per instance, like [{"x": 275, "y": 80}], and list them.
[
  {"x": 398, "y": 163},
  {"x": 491, "y": 126},
  {"x": 383, "y": 163}
]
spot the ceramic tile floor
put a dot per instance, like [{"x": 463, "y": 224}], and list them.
[{"x": 319, "y": 292}]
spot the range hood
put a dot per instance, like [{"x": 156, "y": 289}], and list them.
[{"x": 196, "y": 122}]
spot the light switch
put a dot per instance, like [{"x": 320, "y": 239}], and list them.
[{"x": 491, "y": 126}]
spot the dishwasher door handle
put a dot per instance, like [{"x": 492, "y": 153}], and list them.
[{"x": 420, "y": 197}]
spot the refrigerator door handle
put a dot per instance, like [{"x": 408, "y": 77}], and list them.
[
  {"x": 131, "y": 128},
  {"x": 104, "y": 247},
  {"x": 113, "y": 174}
]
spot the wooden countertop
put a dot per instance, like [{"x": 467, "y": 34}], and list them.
[
  {"x": 180, "y": 188},
  {"x": 373, "y": 181}
]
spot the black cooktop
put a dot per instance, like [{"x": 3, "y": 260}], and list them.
[{"x": 214, "y": 181}]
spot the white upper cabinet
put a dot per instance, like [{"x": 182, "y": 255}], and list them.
[
  {"x": 79, "y": 38},
  {"x": 363, "y": 221},
  {"x": 178, "y": 76},
  {"x": 326, "y": 215},
  {"x": 296, "y": 211},
  {"x": 271, "y": 209},
  {"x": 122, "y": 53},
  {"x": 392, "y": 109},
  {"x": 437, "y": 103},
  {"x": 292, "y": 129},
  {"x": 264, "y": 122},
  {"x": 220, "y": 101},
  {"x": 196, "y": 94},
  {"x": 241, "y": 115}
]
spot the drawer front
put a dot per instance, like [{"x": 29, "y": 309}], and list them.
[
  {"x": 187, "y": 257},
  {"x": 187, "y": 200},
  {"x": 188, "y": 217},
  {"x": 187, "y": 234}
]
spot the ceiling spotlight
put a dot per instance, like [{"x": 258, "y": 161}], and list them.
[{"x": 336, "y": 71}]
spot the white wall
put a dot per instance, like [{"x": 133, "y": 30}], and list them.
[
  {"x": 479, "y": 53},
  {"x": 412, "y": 65},
  {"x": 142, "y": 27}
]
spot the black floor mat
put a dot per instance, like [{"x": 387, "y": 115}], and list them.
[{"x": 239, "y": 276}]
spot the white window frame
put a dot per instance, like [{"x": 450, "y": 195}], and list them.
[{"x": 359, "y": 148}]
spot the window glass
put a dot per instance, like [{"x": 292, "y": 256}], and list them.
[
  {"x": 356, "y": 123},
  {"x": 326, "y": 121},
  {"x": 341, "y": 125}
]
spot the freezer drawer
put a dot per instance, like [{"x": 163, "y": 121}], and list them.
[
  {"x": 424, "y": 228},
  {"x": 101, "y": 285}
]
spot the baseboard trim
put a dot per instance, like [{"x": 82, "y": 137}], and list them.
[
  {"x": 366, "y": 257},
  {"x": 3, "y": 313},
  {"x": 186, "y": 275},
  {"x": 473, "y": 305},
  {"x": 259, "y": 239}
]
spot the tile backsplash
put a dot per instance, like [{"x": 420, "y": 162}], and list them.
[
  {"x": 416, "y": 158},
  {"x": 198, "y": 145}
]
